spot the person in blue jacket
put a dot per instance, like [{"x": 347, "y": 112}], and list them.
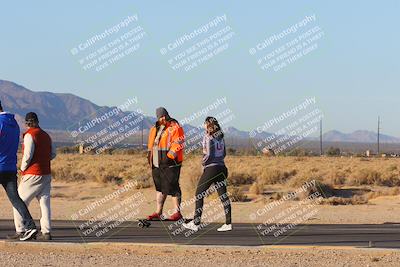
[{"x": 9, "y": 142}]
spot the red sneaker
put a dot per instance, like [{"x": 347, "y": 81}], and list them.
[
  {"x": 175, "y": 217},
  {"x": 154, "y": 217}
]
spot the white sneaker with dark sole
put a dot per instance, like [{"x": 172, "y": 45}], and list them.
[
  {"x": 225, "y": 228},
  {"x": 191, "y": 226},
  {"x": 29, "y": 235}
]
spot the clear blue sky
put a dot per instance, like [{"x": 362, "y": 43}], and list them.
[{"x": 354, "y": 73}]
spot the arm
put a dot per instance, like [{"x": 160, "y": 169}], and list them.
[
  {"x": 207, "y": 150},
  {"x": 150, "y": 144},
  {"x": 224, "y": 149},
  {"x": 29, "y": 149},
  {"x": 53, "y": 151},
  {"x": 177, "y": 141}
]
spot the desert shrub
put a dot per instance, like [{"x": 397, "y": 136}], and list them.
[
  {"x": 392, "y": 167},
  {"x": 143, "y": 181},
  {"x": 239, "y": 178},
  {"x": 68, "y": 150},
  {"x": 297, "y": 152},
  {"x": 338, "y": 178},
  {"x": 299, "y": 180},
  {"x": 256, "y": 188},
  {"x": 107, "y": 177},
  {"x": 231, "y": 151},
  {"x": 68, "y": 174},
  {"x": 276, "y": 196},
  {"x": 236, "y": 194},
  {"x": 324, "y": 190},
  {"x": 355, "y": 200},
  {"x": 366, "y": 177},
  {"x": 299, "y": 158},
  {"x": 275, "y": 176},
  {"x": 391, "y": 178},
  {"x": 333, "y": 151}
]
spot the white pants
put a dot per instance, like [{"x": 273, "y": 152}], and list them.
[{"x": 30, "y": 187}]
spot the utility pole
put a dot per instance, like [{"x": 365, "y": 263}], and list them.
[
  {"x": 320, "y": 138},
  {"x": 379, "y": 128}
]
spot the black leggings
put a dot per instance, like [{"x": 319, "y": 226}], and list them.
[{"x": 213, "y": 175}]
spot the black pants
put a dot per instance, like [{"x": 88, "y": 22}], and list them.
[
  {"x": 213, "y": 175},
  {"x": 166, "y": 180},
  {"x": 9, "y": 181}
]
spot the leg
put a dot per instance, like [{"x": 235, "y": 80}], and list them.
[
  {"x": 226, "y": 203},
  {"x": 44, "y": 202},
  {"x": 174, "y": 188},
  {"x": 160, "y": 197},
  {"x": 204, "y": 183},
  {"x": 26, "y": 193},
  {"x": 177, "y": 202},
  {"x": 10, "y": 185}
]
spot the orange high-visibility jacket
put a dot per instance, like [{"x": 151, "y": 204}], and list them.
[{"x": 171, "y": 145}]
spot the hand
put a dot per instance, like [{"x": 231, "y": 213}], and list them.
[{"x": 149, "y": 157}]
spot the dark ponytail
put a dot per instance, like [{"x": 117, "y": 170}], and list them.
[{"x": 216, "y": 128}]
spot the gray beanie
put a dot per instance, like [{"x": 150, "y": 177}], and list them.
[{"x": 160, "y": 112}]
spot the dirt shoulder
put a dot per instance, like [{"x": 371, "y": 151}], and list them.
[
  {"x": 44, "y": 254},
  {"x": 68, "y": 198}
]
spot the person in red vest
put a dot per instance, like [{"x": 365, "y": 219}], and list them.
[{"x": 38, "y": 151}]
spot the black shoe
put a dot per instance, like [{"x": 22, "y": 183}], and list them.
[
  {"x": 29, "y": 235},
  {"x": 15, "y": 236},
  {"x": 45, "y": 237}
]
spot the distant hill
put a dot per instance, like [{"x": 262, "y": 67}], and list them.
[
  {"x": 60, "y": 113},
  {"x": 56, "y": 111},
  {"x": 360, "y": 136}
]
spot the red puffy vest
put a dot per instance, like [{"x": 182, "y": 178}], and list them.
[{"x": 40, "y": 162}]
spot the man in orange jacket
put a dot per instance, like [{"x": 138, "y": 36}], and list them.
[{"x": 165, "y": 156}]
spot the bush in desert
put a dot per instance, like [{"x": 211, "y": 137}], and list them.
[
  {"x": 256, "y": 188},
  {"x": 366, "y": 177},
  {"x": 249, "y": 176},
  {"x": 275, "y": 176},
  {"x": 333, "y": 151},
  {"x": 335, "y": 201},
  {"x": 240, "y": 178},
  {"x": 236, "y": 194}
]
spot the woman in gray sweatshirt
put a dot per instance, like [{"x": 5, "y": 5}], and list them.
[{"x": 214, "y": 173}]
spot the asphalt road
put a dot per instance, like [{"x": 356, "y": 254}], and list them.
[{"x": 380, "y": 236}]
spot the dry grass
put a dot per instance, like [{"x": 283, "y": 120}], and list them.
[
  {"x": 250, "y": 176},
  {"x": 102, "y": 168}
]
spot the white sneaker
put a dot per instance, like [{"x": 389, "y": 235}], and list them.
[
  {"x": 225, "y": 228},
  {"x": 191, "y": 226},
  {"x": 28, "y": 235}
]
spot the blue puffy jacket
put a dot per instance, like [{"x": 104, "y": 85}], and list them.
[{"x": 9, "y": 142}]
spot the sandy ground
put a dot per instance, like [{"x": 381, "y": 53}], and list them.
[
  {"x": 70, "y": 198},
  {"x": 40, "y": 254}
]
